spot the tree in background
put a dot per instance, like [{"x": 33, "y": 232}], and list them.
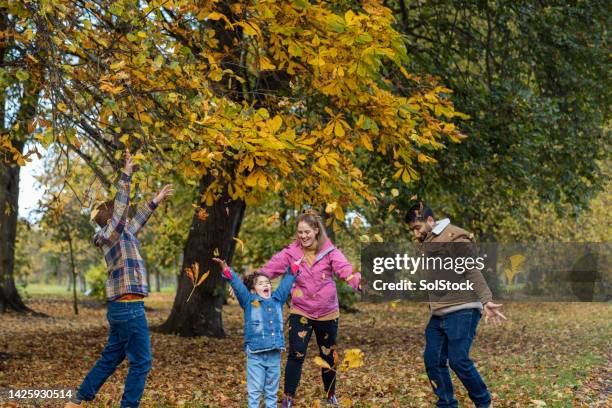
[
  {"x": 21, "y": 81},
  {"x": 531, "y": 75},
  {"x": 238, "y": 100}
]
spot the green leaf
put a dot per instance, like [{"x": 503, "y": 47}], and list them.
[
  {"x": 22, "y": 75},
  {"x": 301, "y": 4}
]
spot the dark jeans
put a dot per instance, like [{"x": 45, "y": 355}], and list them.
[
  {"x": 448, "y": 340},
  {"x": 300, "y": 330},
  {"x": 128, "y": 336}
]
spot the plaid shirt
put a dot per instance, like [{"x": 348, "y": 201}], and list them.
[{"x": 126, "y": 269}]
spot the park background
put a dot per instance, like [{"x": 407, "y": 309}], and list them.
[{"x": 495, "y": 113}]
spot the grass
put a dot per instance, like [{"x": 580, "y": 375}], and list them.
[
  {"x": 554, "y": 354},
  {"x": 42, "y": 289}
]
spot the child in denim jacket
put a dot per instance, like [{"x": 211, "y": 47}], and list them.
[{"x": 263, "y": 329}]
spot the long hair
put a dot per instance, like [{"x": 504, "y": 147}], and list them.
[{"x": 314, "y": 220}]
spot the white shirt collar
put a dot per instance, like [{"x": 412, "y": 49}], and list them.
[{"x": 440, "y": 225}]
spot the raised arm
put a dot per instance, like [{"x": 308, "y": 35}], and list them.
[
  {"x": 282, "y": 291},
  {"x": 277, "y": 264},
  {"x": 144, "y": 212},
  {"x": 343, "y": 269},
  {"x": 112, "y": 231},
  {"x": 240, "y": 290}
]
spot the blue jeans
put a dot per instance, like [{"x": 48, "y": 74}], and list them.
[
  {"x": 448, "y": 340},
  {"x": 263, "y": 377},
  {"x": 128, "y": 336}
]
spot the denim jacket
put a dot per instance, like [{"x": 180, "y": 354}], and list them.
[{"x": 263, "y": 318}]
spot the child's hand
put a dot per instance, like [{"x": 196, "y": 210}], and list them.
[
  {"x": 163, "y": 193},
  {"x": 221, "y": 263},
  {"x": 224, "y": 268},
  {"x": 295, "y": 266},
  {"x": 129, "y": 163}
]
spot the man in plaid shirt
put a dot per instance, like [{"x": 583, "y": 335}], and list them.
[{"x": 126, "y": 286}]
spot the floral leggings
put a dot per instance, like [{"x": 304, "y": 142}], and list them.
[{"x": 300, "y": 330}]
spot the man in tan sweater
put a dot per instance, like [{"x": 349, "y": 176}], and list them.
[{"x": 455, "y": 314}]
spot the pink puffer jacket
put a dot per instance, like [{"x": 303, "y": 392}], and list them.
[{"x": 314, "y": 291}]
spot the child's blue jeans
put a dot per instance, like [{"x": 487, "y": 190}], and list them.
[
  {"x": 128, "y": 337},
  {"x": 448, "y": 340},
  {"x": 263, "y": 377}
]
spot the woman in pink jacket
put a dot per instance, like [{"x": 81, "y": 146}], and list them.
[{"x": 314, "y": 300}]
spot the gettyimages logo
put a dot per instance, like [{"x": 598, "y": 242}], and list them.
[{"x": 572, "y": 272}]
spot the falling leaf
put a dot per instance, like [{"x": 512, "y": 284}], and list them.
[
  {"x": 239, "y": 241},
  {"x": 192, "y": 273},
  {"x": 322, "y": 363},
  {"x": 297, "y": 293},
  {"x": 203, "y": 278},
  {"x": 394, "y": 192},
  {"x": 270, "y": 220},
  {"x": 255, "y": 303},
  {"x": 516, "y": 261},
  {"x": 331, "y": 207},
  {"x": 353, "y": 358},
  {"x": 202, "y": 214},
  {"x": 378, "y": 238},
  {"x": 303, "y": 320},
  {"x": 189, "y": 274},
  {"x": 216, "y": 252},
  {"x": 351, "y": 276}
]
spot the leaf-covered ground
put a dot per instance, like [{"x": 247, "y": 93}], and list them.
[{"x": 547, "y": 354}]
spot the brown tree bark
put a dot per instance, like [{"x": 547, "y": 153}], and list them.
[
  {"x": 9, "y": 183},
  {"x": 201, "y": 316},
  {"x": 9, "y": 198}
]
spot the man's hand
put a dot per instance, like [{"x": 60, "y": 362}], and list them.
[
  {"x": 163, "y": 193},
  {"x": 492, "y": 312},
  {"x": 129, "y": 163}
]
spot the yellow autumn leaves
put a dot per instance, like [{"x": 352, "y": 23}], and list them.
[
  {"x": 353, "y": 358},
  {"x": 193, "y": 273},
  {"x": 162, "y": 88}
]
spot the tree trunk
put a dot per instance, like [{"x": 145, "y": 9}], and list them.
[
  {"x": 201, "y": 316},
  {"x": 9, "y": 198},
  {"x": 157, "y": 280},
  {"x": 83, "y": 282},
  {"x": 73, "y": 271}
]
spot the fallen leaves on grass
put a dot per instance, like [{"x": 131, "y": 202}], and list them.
[{"x": 556, "y": 354}]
